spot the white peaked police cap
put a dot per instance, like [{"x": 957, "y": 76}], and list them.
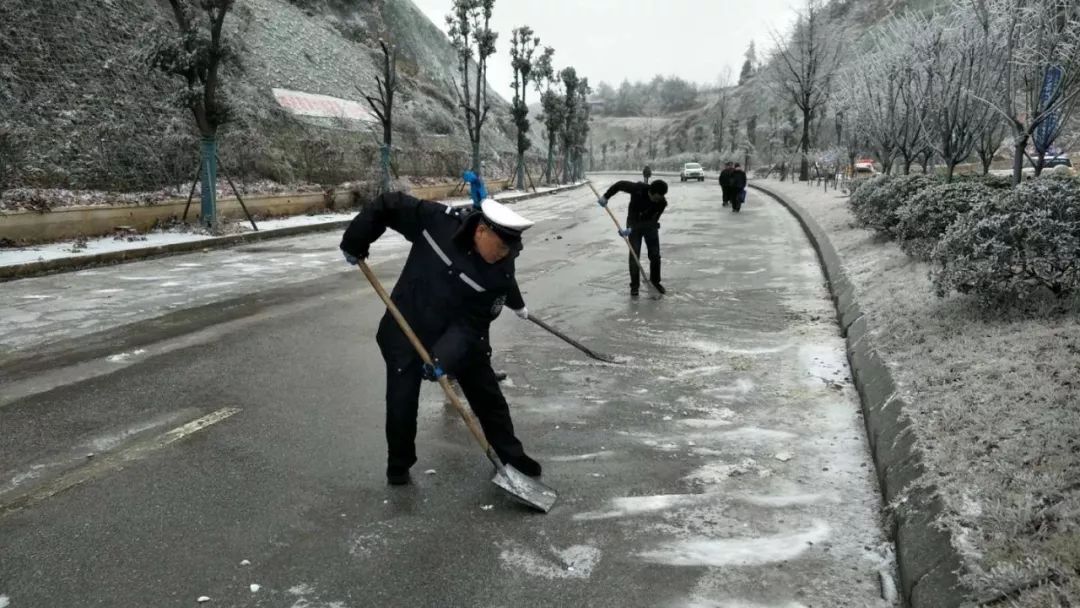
[{"x": 506, "y": 223}]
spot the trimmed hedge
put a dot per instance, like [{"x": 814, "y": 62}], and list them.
[
  {"x": 927, "y": 215},
  {"x": 1014, "y": 245}
]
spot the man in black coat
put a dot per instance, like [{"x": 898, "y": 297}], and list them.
[
  {"x": 726, "y": 184},
  {"x": 738, "y": 186},
  {"x": 456, "y": 280},
  {"x": 647, "y": 204}
]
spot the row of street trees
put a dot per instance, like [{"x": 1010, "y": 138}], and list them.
[{"x": 563, "y": 94}]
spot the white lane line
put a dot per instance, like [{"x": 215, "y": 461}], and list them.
[{"x": 113, "y": 462}]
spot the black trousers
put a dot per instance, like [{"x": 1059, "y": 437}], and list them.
[
  {"x": 481, "y": 388},
  {"x": 651, "y": 236}
]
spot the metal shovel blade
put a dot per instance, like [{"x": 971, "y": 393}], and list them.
[{"x": 524, "y": 489}]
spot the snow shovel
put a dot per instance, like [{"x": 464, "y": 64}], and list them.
[
  {"x": 572, "y": 342},
  {"x": 644, "y": 275},
  {"x": 521, "y": 487}
]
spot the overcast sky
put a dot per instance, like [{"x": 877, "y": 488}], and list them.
[{"x": 609, "y": 40}]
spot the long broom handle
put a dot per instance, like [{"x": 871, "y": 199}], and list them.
[
  {"x": 633, "y": 253},
  {"x": 470, "y": 421}
]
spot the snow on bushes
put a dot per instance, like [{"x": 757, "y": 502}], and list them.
[
  {"x": 1015, "y": 245},
  {"x": 876, "y": 203},
  {"x": 927, "y": 215}
]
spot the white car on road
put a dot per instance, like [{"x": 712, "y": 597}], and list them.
[{"x": 692, "y": 171}]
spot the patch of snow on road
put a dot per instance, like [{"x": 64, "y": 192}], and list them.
[
  {"x": 637, "y": 505},
  {"x": 792, "y": 500},
  {"x": 753, "y": 433},
  {"x": 716, "y": 473},
  {"x": 4, "y": 601},
  {"x": 122, "y": 357},
  {"x": 580, "y": 457},
  {"x": 576, "y": 562},
  {"x": 750, "y": 551}
]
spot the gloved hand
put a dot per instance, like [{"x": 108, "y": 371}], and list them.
[
  {"x": 523, "y": 313},
  {"x": 432, "y": 373},
  {"x": 351, "y": 259},
  {"x": 602, "y": 202},
  {"x": 624, "y": 232}
]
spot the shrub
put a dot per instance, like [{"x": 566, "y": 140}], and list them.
[
  {"x": 863, "y": 193},
  {"x": 877, "y": 203},
  {"x": 1014, "y": 246},
  {"x": 929, "y": 213}
]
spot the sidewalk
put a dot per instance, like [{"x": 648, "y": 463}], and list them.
[{"x": 23, "y": 262}]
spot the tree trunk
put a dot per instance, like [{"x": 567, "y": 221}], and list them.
[
  {"x": 950, "y": 172},
  {"x": 1039, "y": 166},
  {"x": 476, "y": 155},
  {"x": 1019, "y": 145},
  {"x": 209, "y": 182},
  {"x": 804, "y": 167},
  {"x": 384, "y": 162}
]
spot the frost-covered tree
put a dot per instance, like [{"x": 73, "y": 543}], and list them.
[
  {"x": 474, "y": 41},
  {"x": 1038, "y": 70},
  {"x": 523, "y": 47},
  {"x": 749, "y": 66},
  {"x": 882, "y": 94},
  {"x": 958, "y": 71},
  {"x": 196, "y": 51},
  {"x": 804, "y": 68}
]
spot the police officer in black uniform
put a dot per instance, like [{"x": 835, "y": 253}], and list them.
[
  {"x": 647, "y": 204},
  {"x": 456, "y": 280}
]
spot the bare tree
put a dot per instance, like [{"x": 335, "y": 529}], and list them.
[
  {"x": 553, "y": 106},
  {"x": 805, "y": 67},
  {"x": 523, "y": 46},
  {"x": 472, "y": 37},
  {"x": 650, "y": 111},
  {"x": 383, "y": 106},
  {"x": 723, "y": 106},
  {"x": 881, "y": 94},
  {"x": 957, "y": 74},
  {"x": 196, "y": 52},
  {"x": 993, "y": 133},
  {"x": 1039, "y": 69}
]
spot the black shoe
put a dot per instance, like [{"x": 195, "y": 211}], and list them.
[
  {"x": 526, "y": 465},
  {"x": 500, "y": 376},
  {"x": 397, "y": 476},
  {"x": 659, "y": 288},
  {"x": 633, "y": 292}
]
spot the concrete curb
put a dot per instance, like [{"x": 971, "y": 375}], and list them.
[
  {"x": 32, "y": 269},
  {"x": 928, "y": 563}
]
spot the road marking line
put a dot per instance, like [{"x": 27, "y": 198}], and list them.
[{"x": 113, "y": 462}]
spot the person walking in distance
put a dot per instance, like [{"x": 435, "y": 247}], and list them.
[
  {"x": 738, "y": 186},
  {"x": 647, "y": 204},
  {"x": 726, "y": 184}
]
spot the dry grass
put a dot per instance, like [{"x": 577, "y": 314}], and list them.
[{"x": 995, "y": 400}]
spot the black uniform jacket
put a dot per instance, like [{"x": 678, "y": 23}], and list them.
[
  {"x": 447, "y": 292},
  {"x": 643, "y": 213}
]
